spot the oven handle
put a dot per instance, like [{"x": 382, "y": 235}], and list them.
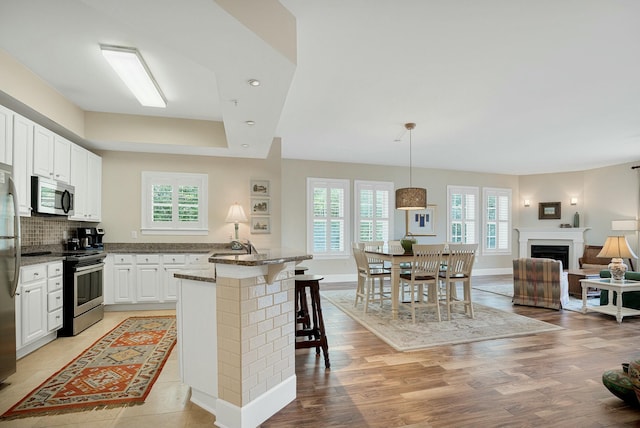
[{"x": 88, "y": 269}]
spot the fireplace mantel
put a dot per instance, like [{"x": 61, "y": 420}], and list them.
[{"x": 573, "y": 234}]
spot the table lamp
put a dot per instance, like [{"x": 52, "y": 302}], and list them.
[
  {"x": 236, "y": 215},
  {"x": 617, "y": 248}
]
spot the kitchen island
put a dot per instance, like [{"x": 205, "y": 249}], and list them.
[{"x": 236, "y": 335}]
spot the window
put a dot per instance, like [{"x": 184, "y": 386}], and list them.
[
  {"x": 497, "y": 221},
  {"x": 462, "y": 214},
  {"x": 174, "y": 203},
  {"x": 327, "y": 217},
  {"x": 373, "y": 215}
]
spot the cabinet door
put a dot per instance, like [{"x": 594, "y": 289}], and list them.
[
  {"x": 34, "y": 311},
  {"x": 94, "y": 187},
  {"x": 6, "y": 136},
  {"x": 148, "y": 282},
  {"x": 123, "y": 284},
  {"x": 23, "y": 161},
  {"x": 43, "y": 152},
  {"x": 170, "y": 283},
  {"x": 78, "y": 179},
  {"x": 62, "y": 159}
]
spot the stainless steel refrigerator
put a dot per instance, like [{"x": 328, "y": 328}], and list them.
[{"x": 9, "y": 270}]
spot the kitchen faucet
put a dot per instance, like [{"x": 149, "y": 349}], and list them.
[{"x": 248, "y": 247}]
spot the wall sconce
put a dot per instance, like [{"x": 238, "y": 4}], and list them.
[
  {"x": 527, "y": 203},
  {"x": 574, "y": 201}
]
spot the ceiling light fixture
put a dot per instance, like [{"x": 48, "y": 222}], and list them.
[
  {"x": 250, "y": 122},
  {"x": 411, "y": 198},
  {"x": 253, "y": 82},
  {"x": 130, "y": 66}
]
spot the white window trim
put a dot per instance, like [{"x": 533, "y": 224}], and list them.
[
  {"x": 153, "y": 177},
  {"x": 330, "y": 183},
  {"x": 466, "y": 190},
  {"x": 492, "y": 191},
  {"x": 360, "y": 185}
]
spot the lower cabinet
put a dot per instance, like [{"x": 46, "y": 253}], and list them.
[
  {"x": 148, "y": 278},
  {"x": 38, "y": 306}
]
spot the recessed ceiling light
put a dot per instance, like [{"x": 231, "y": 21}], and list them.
[
  {"x": 246, "y": 146},
  {"x": 253, "y": 82},
  {"x": 250, "y": 122}
]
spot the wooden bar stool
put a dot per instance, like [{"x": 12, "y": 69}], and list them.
[
  {"x": 311, "y": 334},
  {"x": 300, "y": 270}
]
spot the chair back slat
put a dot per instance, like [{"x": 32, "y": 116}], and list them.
[
  {"x": 461, "y": 258},
  {"x": 426, "y": 259}
]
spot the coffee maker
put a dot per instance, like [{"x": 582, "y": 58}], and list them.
[
  {"x": 86, "y": 237},
  {"x": 98, "y": 237}
]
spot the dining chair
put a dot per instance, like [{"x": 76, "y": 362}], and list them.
[
  {"x": 396, "y": 246},
  {"x": 373, "y": 261},
  {"x": 424, "y": 271},
  {"x": 367, "y": 276},
  {"x": 459, "y": 264}
]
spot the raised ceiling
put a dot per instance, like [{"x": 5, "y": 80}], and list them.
[{"x": 514, "y": 87}]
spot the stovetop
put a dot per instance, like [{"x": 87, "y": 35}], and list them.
[{"x": 74, "y": 254}]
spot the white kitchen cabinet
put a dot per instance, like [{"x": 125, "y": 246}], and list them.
[
  {"x": 148, "y": 278},
  {"x": 6, "y": 136},
  {"x": 51, "y": 155},
  {"x": 78, "y": 178},
  {"x": 94, "y": 187},
  {"x": 54, "y": 296},
  {"x": 33, "y": 297},
  {"x": 171, "y": 263},
  {"x": 23, "y": 161},
  {"x": 124, "y": 285}
]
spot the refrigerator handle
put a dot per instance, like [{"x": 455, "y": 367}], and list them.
[{"x": 16, "y": 229}]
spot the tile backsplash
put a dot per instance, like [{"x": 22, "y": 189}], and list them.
[{"x": 42, "y": 230}]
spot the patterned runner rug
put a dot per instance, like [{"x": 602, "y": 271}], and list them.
[
  {"x": 117, "y": 370},
  {"x": 403, "y": 335}
]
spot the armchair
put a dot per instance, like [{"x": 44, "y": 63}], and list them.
[{"x": 540, "y": 282}]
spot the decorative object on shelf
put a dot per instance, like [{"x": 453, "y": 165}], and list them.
[
  {"x": 566, "y": 226},
  {"x": 236, "y": 215},
  {"x": 411, "y": 198},
  {"x": 421, "y": 222},
  {"x": 260, "y": 225},
  {"x": 617, "y": 248},
  {"x": 619, "y": 384},
  {"x": 407, "y": 242},
  {"x": 576, "y": 220},
  {"x": 549, "y": 211},
  {"x": 260, "y": 188}
]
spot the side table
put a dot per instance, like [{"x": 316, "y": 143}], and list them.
[
  {"x": 575, "y": 275},
  {"x": 606, "y": 285}
]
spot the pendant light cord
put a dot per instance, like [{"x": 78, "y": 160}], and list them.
[{"x": 410, "y": 127}]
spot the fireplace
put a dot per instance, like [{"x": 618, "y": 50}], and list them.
[
  {"x": 556, "y": 252},
  {"x": 573, "y": 237}
]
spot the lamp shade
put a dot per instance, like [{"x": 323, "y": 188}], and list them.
[
  {"x": 411, "y": 198},
  {"x": 616, "y": 247},
  {"x": 236, "y": 214}
]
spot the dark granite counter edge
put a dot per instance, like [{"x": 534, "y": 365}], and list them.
[
  {"x": 195, "y": 276},
  {"x": 248, "y": 260}
]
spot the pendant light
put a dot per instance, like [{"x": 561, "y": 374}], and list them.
[{"x": 411, "y": 198}]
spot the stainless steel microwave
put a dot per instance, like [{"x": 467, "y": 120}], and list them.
[{"x": 51, "y": 197}]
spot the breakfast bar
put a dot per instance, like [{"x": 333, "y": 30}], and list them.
[{"x": 236, "y": 335}]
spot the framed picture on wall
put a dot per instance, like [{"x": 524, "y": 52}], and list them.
[
  {"x": 260, "y": 188},
  {"x": 260, "y": 225},
  {"x": 422, "y": 222},
  {"x": 549, "y": 211},
  {"x": 260, "y": 206}
]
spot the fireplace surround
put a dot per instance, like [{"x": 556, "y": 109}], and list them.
[{"x": 572, "y": 237}]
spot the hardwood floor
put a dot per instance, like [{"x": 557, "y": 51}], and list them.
[{"x": 549, "y": 379}]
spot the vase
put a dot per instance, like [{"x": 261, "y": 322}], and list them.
[
  {"x": 619, "y": 384},
  {"x": 634, "y": 376},
  {"x": 576, "y": 220},
  {"x": 407, "y": 243}
]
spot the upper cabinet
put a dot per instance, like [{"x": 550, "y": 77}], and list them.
[
  {"x": 6, "y": 135},
  {"x": 23, "y": 161},
  {"x": 86, "y": 177},
  {"x": 51, "y": 155}
]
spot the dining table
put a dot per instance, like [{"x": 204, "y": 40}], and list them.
[{"x": 395, "y": 256}]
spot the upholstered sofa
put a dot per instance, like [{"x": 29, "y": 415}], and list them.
[
  {"x": 540, "y": 282},
  {"x": 590, "y": 258},
  {"x": 630, "y": 299}
]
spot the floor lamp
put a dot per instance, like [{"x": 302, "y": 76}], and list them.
[{"x": 629, "y": 225}]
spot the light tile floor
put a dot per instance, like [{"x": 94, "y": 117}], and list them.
[{"x": 167, "y": 405}]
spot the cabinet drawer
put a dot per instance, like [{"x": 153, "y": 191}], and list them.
[
  {"x": 33, "y": 273},
  {"x": 54, "y": 284},
  {"x": 147, "y": 258},
  {"x": 122, "y": 259},
  {"x": 54, "y": 320},
  {"x": 54, "y": 300},
  {"x": 198, "y": 259},
  {"x": 176, "y": 259},
  {"x": 54, "y": 269}
]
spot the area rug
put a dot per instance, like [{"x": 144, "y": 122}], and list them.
[
  {"x": 403, "y": 335},
  {"x": 117, "y": 370},
  {"x": 575, "y": 305}
]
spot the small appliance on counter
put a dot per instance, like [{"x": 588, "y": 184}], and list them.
[
  {"x": 90, "y": 237},
  {"x": 73, "y": 244}
]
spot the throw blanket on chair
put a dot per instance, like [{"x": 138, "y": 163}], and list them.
[{"x": 540, "y": 282}]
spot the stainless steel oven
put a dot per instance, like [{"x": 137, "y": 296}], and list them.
[{"x": 83, "y": 291}]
